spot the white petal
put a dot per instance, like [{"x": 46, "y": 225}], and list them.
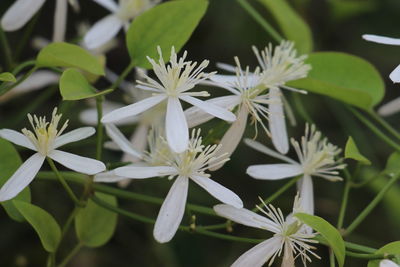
[
  {"x": 121, "y": 141},
  {"x": 60, "y": 20},
  {"x": 388, "y": 263},
  {"x": 172, "y": 210},
  {"x": 395, "y": 75},
  {"x": 381, "y": 39},
  {"x": 17, "y": 138},
  {"x": 132, "y": 110},
  {"x": 260, "y": 254},
  {"x": 108, "y": 177},
  {"x": 226, "y": 67},
  {"x": 176, "y": 129},
  {"x": 136, "y": 172},
  {"x": 77, "y": 163},
  {"x": 38, "y": 80},
  {"x": 210, "y": 108},
  {"x": 73, "y": 136},
  {"x": 22, "y": 177},
  {"x": 138, "y": 141},
  {"x": 108, "y": 4},
  {"x": 224, "y": 79},
  {"x": 263, "y": 149},
  {"x": 102, "y": 31},
  {"x": 277, "y": 124},
  {"x": 20, "y": 13},
  {"x": 274, "y": 171},
  {"x": 390, "y": 107},
  {"x": 218, "y": 191},
  {"x": 306, "y": 190},
  {"x": 246, "y": 217}
]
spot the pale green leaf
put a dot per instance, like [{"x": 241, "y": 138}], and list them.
[
  {"x": 7, "y": 77},
  {"x": 165, "y": 25},
  {"x": 351, "y": 152},
  {"x": 391, "y": 248}
]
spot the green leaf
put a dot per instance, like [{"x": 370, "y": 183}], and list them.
[
  {"x": 44, "y": 224},
  {"x": 392, "y": 164},
  {"x": 391, "y": 248},
  {"x": 351, "y": 152},
  {"x": 95, "y": 225},
  {"x": 165, "y": 25},
  {"x": 7, "y": 77},
  {"x": 68, "y": 55},
  {"x": 345, "y": 9},
  {"x": 74, "y": 86},
  {"x": 327, "y": 231},
  {"x": 9, "y": 163},
  {"x": 292, "y": 25},
  {"x": 345, "y": 77}
]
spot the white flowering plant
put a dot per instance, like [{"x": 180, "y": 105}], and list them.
[{"x": 142, "y": 145}]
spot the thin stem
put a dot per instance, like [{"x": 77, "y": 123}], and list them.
[
  {"x": 100, "y": 128},
  {"x": 345, "y": 199},
  {"x": 125, "y": 73},
  {"x": 72, "y": 253},
  {"x": 258, "y": 18},
  {"x": 369, "y": 256},
  {"x": 384, "y": 124},
  {"x": 22, "y": 66},
  {"x": 6, "y": 50},
  {"x": 331, "y": 258},
  {"x": 360, "y": 248},
  {"x": 23, "y": 78}
]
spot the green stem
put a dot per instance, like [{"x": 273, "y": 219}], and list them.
[
  {"x": 6, "y": 50},
  {"x": 100, "y": 128},
  {"x": 345, "y": 199},
  {"x": 72, "y": 253},
  {"x": 125, "y": 73},
  {"x": 369, "y": 256},
  {"x": 22, "y": 66},
  {"x": 331, "y": 258},
  {"x": 371, "y": 205},
  {"x": 360, "y": 248},
  {"x": 23, "y": 78},
  {"x": 384, "y": 124},
  {"x": 258, "y": 18}
]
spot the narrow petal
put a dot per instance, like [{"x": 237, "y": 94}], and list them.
[
  {"x": 306, "y": 190},
  {"x": 108, "y": 177},
  {"x": 274, "y": 171},
  {"x": 263, "y": 149},
  {"x": 136, "y": 172},
  {"x": 390, "y": 107},
  {"x": 17, "y": 138},
  {"x": 381, "y": 39},
  {"x": 73, "y": 136},
  {"x": 172, "y": 210},
  {"x": 395, "y": 75},
  {"x": 388, "y": 263},
  {"x": 226, "y": 67},
  {"x": 245, "y": 217},
  {"x": 121, "y": 141},
  {"x": 133, "y": 109},
  {"x": 218, "y": 191},
  {"x": 22, "y": 177},
  {"x": 60, "y": 20},
  {"x": 102, "y": 31},
  {"x": 108, "y": 4},
  {"x": 224, "y": 79},
  {"x": 210, "y": 108},
  {"x": 20, "y": 13},
  {"x": 77, "y": 163},
  {"x": 176, "y": 129},
  {"x": 260, "y": 254},
  {"x": 38, "y": 80},
  {"x": 138, "y": 141},
  {"x": 277, "y": 122}
]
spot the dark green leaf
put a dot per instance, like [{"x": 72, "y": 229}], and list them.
[{"x": 351, "y": 152}]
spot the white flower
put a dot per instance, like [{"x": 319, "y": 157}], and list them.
[
  {"x": 121, "y": 15},
  {"x": 388, "y": 263},
  {"x": 316, "y": 158},
  {"x": 188, "y": 165},
  {"x": 289, "y": 235},
  {"x": 45, "y": 139},
  {"x": 176, "y": 79}
]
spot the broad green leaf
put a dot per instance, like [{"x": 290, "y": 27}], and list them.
[
  {"x": 351, "y": 152},
  {"x": 9, "y": 163},
  {"x": 7, "y": 77},
  {"x": 292, "y": 25},
  {"x": 44, "y": 224},
  {"x": 165, "y": 25},
  {"x": 95, "y": 225},
  {"x": 344, "y": 77},
  {"x": 391, "y": 248},
  {"x": 69, "y": 55},
  {"x": 74, "y": 86},
  {"x": 327, "y": 231}
]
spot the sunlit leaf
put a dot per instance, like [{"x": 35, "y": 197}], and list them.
[
  {"x": 391, "y": 248},
  {"x": 7, "y": 77},
  {"x": 351, "y": 152}
]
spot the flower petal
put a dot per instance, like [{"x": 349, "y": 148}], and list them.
[
  {"x": 133, "y": 109},
  {"x": 60, "y": 20},
  {"x": 226, "y": 67},
  {"x": 390, "y": 107},
  {"x": 381, "y": 39},
  {"x": 17, "y": 138},
  {"x": 22, "y": 177},
  {"x": 395, "y": 75},
  {"x": 39, "y": 79},
  {"x": 218, "y": 191},
  {"x": 108, "y": 177},
  {"x": 138, "y": 172},
  {"x": 176, "y": 129},
  {"x": 274, "y": 171},
  {"x": 260, "y": 254},
  {"x": 138, "y": 141},
  {"x": 306, "y": 191},
  {"x": 172, "y": 210},
  {"x": 73, "y": 136},
  {"x": 246, "y": 217},
  {"x": 20, "y": 13},
  {"x": 277, "y": 124},
  {"x": 263, "y": 149},
  {"x": 388, "y": 263},
  {"x": 102, "y": 31},
  {"x": 121, "y": 141},
  {"x": 77, "y": 163},
  {"x": 108, "y": 4}
]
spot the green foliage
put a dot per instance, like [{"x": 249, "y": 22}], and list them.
[
  {"x": 9, "y": 163},
  {"x": 44, "y": 224},
  {"x": 391, "y": 248},
  {"x": 345, "y": 77},
  {"x": 327, "y": 231},
  {"x": 292, "y": 25},
  {"x": 69, "y": 55},
  {"x": 344, "y": 9},
  {"x": 74, "y": 86},
  {"x": 7, "y": 77},
  {"x": 351, "y": 152},
  {"x": 159, "y": 27},
  {"x": 95, "y": 225}
]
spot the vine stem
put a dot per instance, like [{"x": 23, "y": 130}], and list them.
[
  {"x": 125, "y": 73},
  {"x": 6, "y": 50},
  {"x": 100, "y": 128},
  {"x": 23, "y": 78},
  {"x": 384, "y": 124},
  {"x": 345, "y": 199},
  {"x": 72, "y": 253}
]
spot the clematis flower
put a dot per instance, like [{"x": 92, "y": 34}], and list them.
[
  {"x": 121, "y": 15},
  {"x": 45, "y": 141},
  {"x": 176, "y": 79},
  {"x": 191, "y": 164},
  {"x": 289, "y": 235},
  {"x": 388, "y": 263},
  {"x": 316, "y": 158}
]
